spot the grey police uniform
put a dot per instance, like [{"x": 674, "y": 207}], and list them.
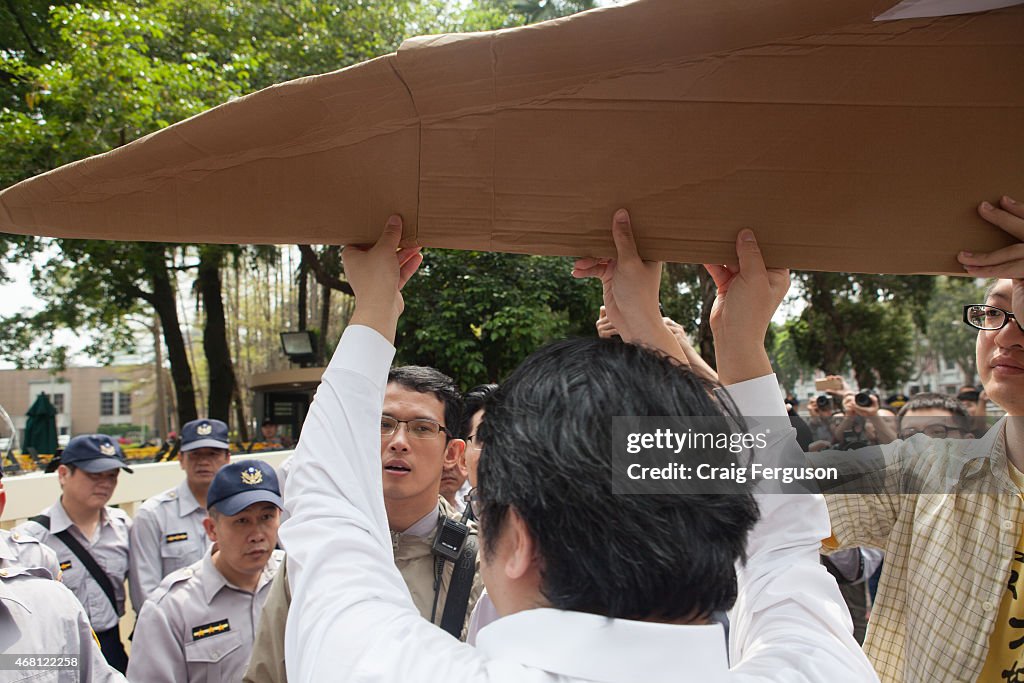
[
  {"x": 167, "y": 535},
  {"x": 197, "y": 627},
  {"x": 108, "y": 546},
  {"x": 39, "y": 616},
  {"x": 21, "y": 550}
]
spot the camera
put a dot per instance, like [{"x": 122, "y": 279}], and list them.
[
  {"x": 823, "y": 401},
  {"x": 863, "y": 398}
]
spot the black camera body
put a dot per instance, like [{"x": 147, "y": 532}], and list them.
[{"x": 823, "y": 401}]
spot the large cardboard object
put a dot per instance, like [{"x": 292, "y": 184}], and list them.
[{"x": 847, "y": 143}]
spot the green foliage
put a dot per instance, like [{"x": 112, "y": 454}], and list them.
[
  {"x": 476, "y": 315},
  {"x": 786, "y": 361},
  {"x": 874, "y": 337},
  {"x": 485, "y": 15},
  {"x": 119, "y": 429},
  {"x": 946, "y": 336}
]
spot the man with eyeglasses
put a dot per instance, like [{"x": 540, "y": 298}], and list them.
[
  {"x": 937, "y": 416},
  {"x": 949, "y": 603},
  {"x": 591, "y": 586},
  {"x": 418, "y": 440}
]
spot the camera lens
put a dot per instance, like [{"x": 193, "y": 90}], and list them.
[
  {"x": 823, "y": 401},
  {"x": 863, "y": 399}
]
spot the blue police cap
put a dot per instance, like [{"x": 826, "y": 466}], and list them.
[
  {"x": 238, "y": 485},
  {"x": 94, "y": 453},
  {"x": 204, "y": 434}
]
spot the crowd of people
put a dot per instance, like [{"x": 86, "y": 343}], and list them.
[{"x": 427, "y": 534}]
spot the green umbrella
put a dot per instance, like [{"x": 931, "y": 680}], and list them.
[{"x": 41, "y": 427}]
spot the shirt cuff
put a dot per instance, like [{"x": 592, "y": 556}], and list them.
[
  {"x": 759, "y": 397},
  {"x": 364, "y": 351}
]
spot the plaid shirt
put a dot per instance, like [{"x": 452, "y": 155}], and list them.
[{"x": 948, "y": 555}]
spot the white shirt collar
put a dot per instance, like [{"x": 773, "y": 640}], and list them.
[
  {"x": 595, "y": 648},
  {"x": 187, "y": 502}
]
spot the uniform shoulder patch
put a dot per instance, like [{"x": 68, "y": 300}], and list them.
[
  {"x": 24, "y": 538},
  {"x": 211, "y": 629},
  {"x": 175, "y": 537}
]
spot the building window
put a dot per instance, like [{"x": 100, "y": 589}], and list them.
[
  {"x": 106, "y": 403},
  {"x": 124, "y": 403},
  {"x": 58, "y": 402}
]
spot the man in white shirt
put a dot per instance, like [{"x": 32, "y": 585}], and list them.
[{"x": 643, "y": 615}]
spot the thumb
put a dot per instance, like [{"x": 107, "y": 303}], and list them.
[
  {"x": 749, "y": 253},
  {"x": 622, "y": 233},
  {"x": 392, "y": 234}
]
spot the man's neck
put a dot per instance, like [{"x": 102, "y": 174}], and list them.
[
  {"x": 1015, "y": 441},
  {"x": 84, "y": 517},
  {"x": 247, "y": 582},
  {"x": 404, "y": 513},
  {"x": 199, "y": 492}
]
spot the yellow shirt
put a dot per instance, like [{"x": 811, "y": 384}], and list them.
[{"x": 1005, "y": 661}]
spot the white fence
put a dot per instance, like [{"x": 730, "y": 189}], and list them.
[{"x": 29, "y": 494}]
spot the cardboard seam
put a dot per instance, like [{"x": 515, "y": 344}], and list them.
[
  {"x": 393, "y": 63},
  {"x": 494, "y": 134}
]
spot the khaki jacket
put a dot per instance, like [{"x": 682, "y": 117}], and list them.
[{"x": 414, "y": 560}]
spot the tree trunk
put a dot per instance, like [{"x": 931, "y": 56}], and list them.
[
  {"x": 220, "y": 371},
  {"x": 165, "y": 303},
  {"x": 160, "y": 419},
  {"x": 241, "y": 423},
  {"x": 325, "y": 321},
  {"x": 303, "y": 278}
]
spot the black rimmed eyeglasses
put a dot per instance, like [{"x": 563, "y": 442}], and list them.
[{"x": 989, "y": 318}]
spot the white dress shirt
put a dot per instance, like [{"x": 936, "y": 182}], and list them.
[
  {"x": 352, "y": 618},
  {"x": 167, "y": 535}
]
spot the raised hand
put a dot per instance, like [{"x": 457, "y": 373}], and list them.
[
  {"x": 1007, "y": 262},
  {"x": 748, "y": 297},
  {"x": 377, "y": 274},
  {"x": 631, "y": 290}
]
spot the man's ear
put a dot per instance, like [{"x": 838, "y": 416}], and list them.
[
  {"x": 181, "y": 459},
  {"x": 455, "y": 451},
  {"x": 522, "y": 558},
  {"x": 211, "y": 529}
]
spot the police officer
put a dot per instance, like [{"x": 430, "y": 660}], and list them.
[
  {"x": 168, "y": 531},
  {"x": 41, "y": 616},
  {"x": 20, "y": 550},
  {"x": 198, "y": 625},
  {"x": 90, "y": 539}
]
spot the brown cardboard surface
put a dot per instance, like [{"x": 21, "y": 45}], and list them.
[{"x": 847, "y": 144}]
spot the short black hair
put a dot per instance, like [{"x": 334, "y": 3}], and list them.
[
  {"x": 935, "y": 401},
  {"x": 432, "y": 381},
  {"x": 474, "y": 400},
  {"x": 549, "y": 456}
]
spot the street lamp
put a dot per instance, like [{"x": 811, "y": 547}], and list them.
[{"x": 300, "y": 347}]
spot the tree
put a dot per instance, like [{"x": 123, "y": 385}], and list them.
[
  {"x": 861, "y": 321},
  {"x": 476, "y": 315},
  {"x": 485, "y": 15},
  {"x": 945, "y": 336},
  {"x": 110, "y": 72},
  {"x": 785, "y": 360}
]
